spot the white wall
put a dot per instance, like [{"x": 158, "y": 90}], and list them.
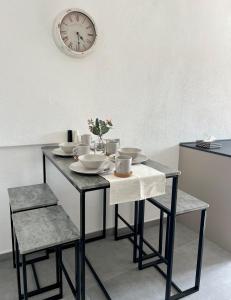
[
  {"x": 161, "y": 71},
  {"x": 158, "y": 67}
]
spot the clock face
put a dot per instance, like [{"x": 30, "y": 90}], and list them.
[{"x": 75, "y": 32}]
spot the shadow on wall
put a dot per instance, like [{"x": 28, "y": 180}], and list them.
[{"x": 168, "y": 156}]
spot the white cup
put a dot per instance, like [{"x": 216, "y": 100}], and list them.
[
  {"x": 86, "y": 139},
  {"x": 81, "y": 149},
  {"x": 112, "y": 146},
  {"x": 123, "y": 165}
]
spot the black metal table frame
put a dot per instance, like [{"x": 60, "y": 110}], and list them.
[
  {"x": 138, "y": 230},
  {"x": 83, "y": 239}
]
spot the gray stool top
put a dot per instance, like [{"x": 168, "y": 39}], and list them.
[
  {"x": 43, "y": 228},
  {"x": 185, "y": 202},
  {"x": 30, "y": 197}
]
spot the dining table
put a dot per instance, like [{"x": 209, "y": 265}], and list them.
[{"x": 88, "y": 183}]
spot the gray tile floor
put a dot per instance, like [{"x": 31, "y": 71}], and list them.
[{"x": 112, "y": 260}]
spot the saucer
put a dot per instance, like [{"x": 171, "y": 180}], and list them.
[
  {"x": 79, "y": 168},
  {"x": 138, "y": 160},
  {"x": 60, "y": 152},
  {"x": 123, "y": 175}
]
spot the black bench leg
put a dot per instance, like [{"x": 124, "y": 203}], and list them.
[
  {"x": 12, "y": 239},
  {"x": 200, "y": 249},
  {"x": 59, "y": 274},
  {"x": 24, "y": 277},
  {"x": 161, "y": 231},
  {"x": 171, "y": 238},
  {"x": 18, "y": 271},
  {"x": 77, "y": 271}
]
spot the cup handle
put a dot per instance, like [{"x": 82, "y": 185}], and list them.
[{"x": 75, "y": 151}]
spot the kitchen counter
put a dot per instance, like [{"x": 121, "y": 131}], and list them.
[
  {"x": 205, "y": 174},
  {"x": 225, "y": 150}
]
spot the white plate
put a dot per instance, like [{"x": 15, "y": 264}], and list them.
[
  {"x": 138, "y": 160},
  {"x": 60, "y": 152},
  {"x": 79, "y": 168}
]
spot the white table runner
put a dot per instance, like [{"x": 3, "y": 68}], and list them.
[{"x": 145, "y": 182}]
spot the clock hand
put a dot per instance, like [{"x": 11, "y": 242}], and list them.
[{"x": 78, "y": 40}]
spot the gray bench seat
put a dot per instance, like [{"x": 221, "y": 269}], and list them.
[
  {"x": 185, "y": 202},
  {"x": 31, "y": 197},
  {"x": 43, "y": 228}
]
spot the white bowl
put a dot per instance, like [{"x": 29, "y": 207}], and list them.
[
  {"x": 133, "y": 152},
  {"x": 67, "y": 147},
  {"x": 92, "y": 161}
]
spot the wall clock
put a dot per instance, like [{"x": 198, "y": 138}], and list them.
[{"x": 74, "y": 32}]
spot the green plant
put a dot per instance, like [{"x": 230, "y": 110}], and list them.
[{"x": 99, "y": 127}]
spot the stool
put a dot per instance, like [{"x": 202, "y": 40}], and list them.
[
  {"x": 43, "y": 229},
  {"x": 185, "y": 204},
  {"x": 28, "y": 198}
]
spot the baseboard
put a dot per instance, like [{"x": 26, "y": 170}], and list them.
[
  {"x": 5, "y": 256},
  {"x": 110, "y": 231}
]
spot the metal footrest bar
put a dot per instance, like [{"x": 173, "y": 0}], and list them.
[
  {"x": 68, "y": 279},
  {"x": 148, "y": 256},
  {"x": 152, "y": 264},
  {"x": 125, "y": 222},
  {"x": 184, "y": 293},
  {"x": 35, "y": 276},
  {"x": 164, "y": 260},
  {"x": 43, "y": 290},
  {"x": 125, "y": 236},
  {"x": 55, "y": 297},
  {"x": 97, "y": 279},
  {"x": 95, "y": 238},
  {"x": 174, "y": 285},
  {"x": 35, "y": 260}
]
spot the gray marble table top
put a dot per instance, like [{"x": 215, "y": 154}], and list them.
[
  {"x": 43, "y": 228},
  {"x": 30, "y": 197},
  {"x": 185, "y": 202},
  {"x": 86, "y": 182}
]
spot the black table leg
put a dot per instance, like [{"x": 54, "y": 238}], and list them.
[
  {"x": 116, "y": 222},
  {"x": 82, "y": 244},
  {"x": 44, "y": 169},
  {"x": 77, "y": 271},
  {"x": 24, "y": 277},
  {"x": 141, "y": 232},
  {"x": 104, "y": 211},
  {"x": 171, "y": 238},
  {"x": 135, "y": 232}
]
